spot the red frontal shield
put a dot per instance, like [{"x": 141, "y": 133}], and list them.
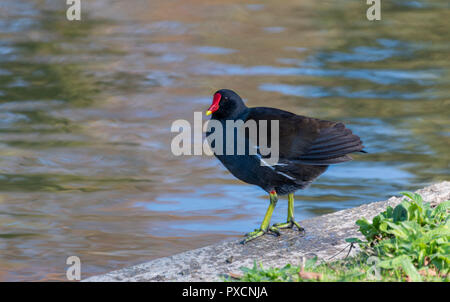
[{"x": 215, "y": 104}]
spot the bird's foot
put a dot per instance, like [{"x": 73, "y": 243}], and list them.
[
  {"x": 289, "y": 225},
  {"x": 260, "y": 232}
]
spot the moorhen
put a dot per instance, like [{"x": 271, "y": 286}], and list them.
[{"x": 306, "y": 147}]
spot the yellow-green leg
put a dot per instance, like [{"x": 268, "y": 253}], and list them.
[
  {"x": 265, "y": 225},
  {"x": 290, "y": 217}
]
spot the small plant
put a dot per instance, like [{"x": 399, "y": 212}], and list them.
[
  {"x": 411, "y": 236},
  {"x": 410, "y": 243},
  {"x": 259, "y": 274}
]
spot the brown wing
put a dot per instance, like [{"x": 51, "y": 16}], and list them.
[{"x": 309, "y": 140}]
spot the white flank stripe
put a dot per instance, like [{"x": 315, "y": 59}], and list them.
[{"x": 285, "y": 175}]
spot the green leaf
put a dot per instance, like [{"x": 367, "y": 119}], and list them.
[
  {"x": 405, "y": 263},
  {"x": 409, "y": 269},
  {"x": 396, "y": 230},
  {"x": 408, "y": 194},
  {"x": 443, "y": 206},
  {"x": 389, "y": 212},
  {"x": 353, "y": 240},
  {"x": 400, "y": 213},
  {"x": 384, "y": 227}
]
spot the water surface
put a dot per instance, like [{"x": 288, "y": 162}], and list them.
[{"x": 86, "y": 109}]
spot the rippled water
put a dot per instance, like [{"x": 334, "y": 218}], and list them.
[{"x": 86, "y": 109}]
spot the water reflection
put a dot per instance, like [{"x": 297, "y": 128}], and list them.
[
  {"x": 86, "y": 109},
  {"x": 321, "y": 92}
]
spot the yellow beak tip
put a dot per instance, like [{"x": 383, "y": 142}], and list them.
[{"x": 208, "y": 112}]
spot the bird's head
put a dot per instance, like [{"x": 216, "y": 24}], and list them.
[{"x": 226, "y": 104}]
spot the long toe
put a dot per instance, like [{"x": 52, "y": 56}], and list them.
[
  {"x": 302, "y": 230},
  {"x": 286, "y": 225},
  {"x": 275, "y": 230},
  {"x": 253, "y": 235}
]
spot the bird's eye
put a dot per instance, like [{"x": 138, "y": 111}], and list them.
[{"x": 226, "y": 98}]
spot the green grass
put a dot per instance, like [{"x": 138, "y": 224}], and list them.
[{"x": 407, "y": 243}]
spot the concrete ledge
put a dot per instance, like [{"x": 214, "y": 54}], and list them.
[{"x": 325, "y": 237}]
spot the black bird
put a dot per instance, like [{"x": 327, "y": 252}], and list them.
[{"x": 306, "y": 147}]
